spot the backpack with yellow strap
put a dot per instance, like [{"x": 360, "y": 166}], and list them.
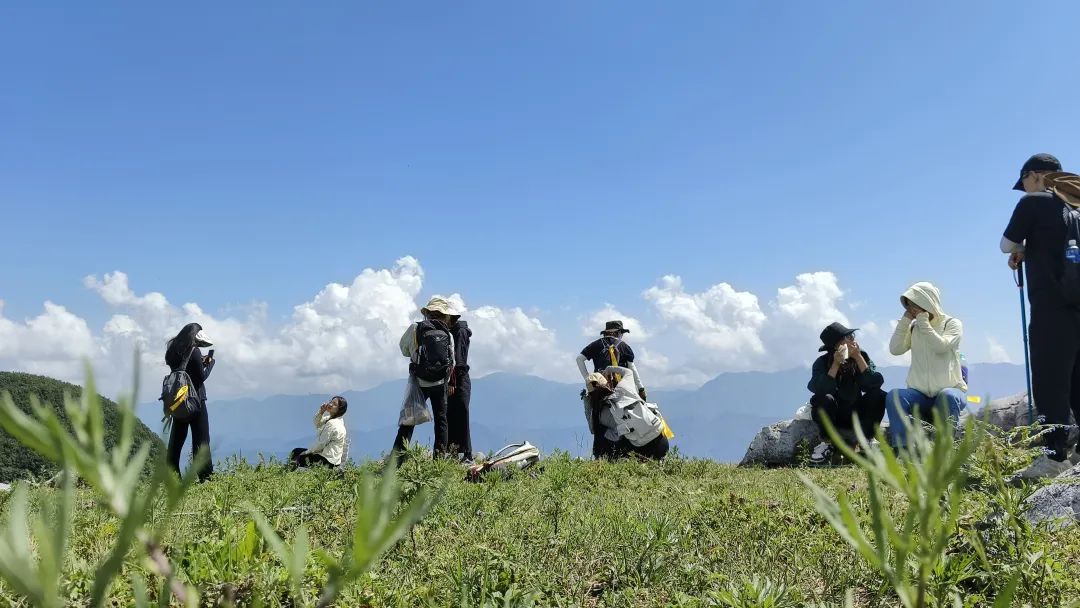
[{"x": 665, "y": 430}]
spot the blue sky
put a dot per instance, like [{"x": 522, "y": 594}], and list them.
[{"x": 549, "y": 156}]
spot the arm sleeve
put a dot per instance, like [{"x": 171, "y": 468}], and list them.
[
  {"x": 207, "y": 368},
  {"x": 407, "y": 343},
  {"x": 820, "y": 382},
  {"x": 948, "y": 340},
  {"x": 319, "y": 419},
  {"x": 590, "y": 350},
  {"x": 195, "y": 368},
  {"x": 1020, "y": 223},
  {"x": 1008, "y": 246},
  {"x": 900, "y": 342},
  {"x": 871, "y": 379},
  {"x": 581, "y": 367},
  {"x": 637, "y": 377},
  {"x": 627, "y": 354}
]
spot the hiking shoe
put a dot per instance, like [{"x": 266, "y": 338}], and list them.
[
  {"x": 822, "y": 454},
  {"x": 1043, "y": 467}
]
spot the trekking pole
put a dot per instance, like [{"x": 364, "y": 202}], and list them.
[{"x": 1019, "y": 279}]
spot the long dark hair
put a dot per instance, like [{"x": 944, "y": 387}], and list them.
[
  {"x": 342, "y": 406},
  {"x": 179, "y": 347}
]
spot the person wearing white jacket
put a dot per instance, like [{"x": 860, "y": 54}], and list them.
[
  {"x": 329, "y": 446},
  {"x": 935, "y": 379}
]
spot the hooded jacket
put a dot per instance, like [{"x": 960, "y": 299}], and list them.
[
  {"x": 934, "y": 344},
  {"x": 462, "y": 338}
]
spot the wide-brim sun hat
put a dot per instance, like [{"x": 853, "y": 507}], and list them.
[
  {"x": 595, "y": 380},
  {"x": 439, "y": 305},
  {"x": 202, "y": 339}
]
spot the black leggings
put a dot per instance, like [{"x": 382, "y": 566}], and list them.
[
  {"x": 1055, "y": 368},
  {"x": 457, "y": 416},
  {"x": 200, "y": 438},
  {"x": 437, "y": 396},
  {"x": 298, "y": 458},
  {"x": 612, "y": 450},
  {"x": 870, "y": 407}
]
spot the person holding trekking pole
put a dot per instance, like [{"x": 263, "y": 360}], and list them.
[{"x": 1042, "y": 235}]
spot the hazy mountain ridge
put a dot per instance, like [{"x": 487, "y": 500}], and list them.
[{"x": 716, "y": 420}]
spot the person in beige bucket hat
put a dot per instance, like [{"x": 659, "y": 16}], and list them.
[{"x": 429, "y": 345}]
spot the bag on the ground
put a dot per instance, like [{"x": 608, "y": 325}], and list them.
[
  {"x": 514, "y": 456},
  {"x": 414, "y": 408},
  {"x": 434, "y": 355},
  {"x": 179, "y": 399}
]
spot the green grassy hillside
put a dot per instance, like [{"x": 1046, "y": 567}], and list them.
[
  {"x": 17, "y": 462},
  {"x": 577, "y": 533}
]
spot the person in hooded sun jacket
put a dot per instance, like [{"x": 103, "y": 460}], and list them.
[{"x": 935, "y": 379}]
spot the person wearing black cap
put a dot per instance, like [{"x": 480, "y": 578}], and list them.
[
  {"x": 1037, "y": 235},
  {"x": 844, "y": 383},
  {"x": 608, "y": 351}
]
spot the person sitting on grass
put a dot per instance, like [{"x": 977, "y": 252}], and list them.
[
  {"x": 844, "y": 383},
  {"x": 329, "y": 446},
  {"x": 935, "y": 380}
]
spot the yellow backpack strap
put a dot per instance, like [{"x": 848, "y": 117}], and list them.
[{"x": 614, "y": 360}]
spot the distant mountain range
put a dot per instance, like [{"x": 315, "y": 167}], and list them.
[{"x": 715, "y": 421}]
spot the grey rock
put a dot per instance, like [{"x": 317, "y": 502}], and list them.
[
  {"x": 1058, "y": 502},
  {"x": 777, "y": 444},
  {"x": 1007, "y": 413},
  {"x": 1010, "y": 412},
  {"x": 4, "y": 487}
]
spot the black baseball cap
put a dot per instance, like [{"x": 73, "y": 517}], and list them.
[{"x": 1039, "y": 162}]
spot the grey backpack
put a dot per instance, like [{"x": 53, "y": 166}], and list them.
[{"x": 179, "y": 398}]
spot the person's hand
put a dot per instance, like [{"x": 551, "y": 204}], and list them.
[
  {"x": 923, "y": 316},
  {"x": 840, "y": 356},
  {"x": 643, "y": 394},
  {"x": 1015, "y": 259},
  {"x": 854, "y": 350},
  {"x": 450, "y": 390},
  {"x": 207, "y": 359}
]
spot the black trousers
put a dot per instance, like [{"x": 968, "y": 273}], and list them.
[
  {"x": 298, "y": 458},
  {"x": 457, "y": 416},
  {"x": 1055, "y": 367},
  {"x": 612, "y": 450},
  {"x": 870, "y": 407},
  {"x": 200, "y": 439},
  {"x": 437, "y": 396}
]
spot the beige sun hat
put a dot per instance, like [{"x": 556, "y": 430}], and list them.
[
  {"x": 439, "y": 305},
  {"x": 595, "y": 380}
]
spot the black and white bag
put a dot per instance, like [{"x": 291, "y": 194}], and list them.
[{"x": 179, "y": 398}]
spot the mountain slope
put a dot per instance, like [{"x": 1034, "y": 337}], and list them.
[{"x": 17, "y": 462}]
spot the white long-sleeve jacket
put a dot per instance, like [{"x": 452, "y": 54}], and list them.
[
  {"x": 934, "y": 344},
  {"x": 329, "y": 438}
]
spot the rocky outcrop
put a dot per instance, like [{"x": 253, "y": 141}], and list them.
[{"x": 1058, "y": 502}]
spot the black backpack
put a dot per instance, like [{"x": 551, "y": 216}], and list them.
[
  {"x": 1070, "y": 276},
  {"x": 179, "y": 399},
  {"x": 434, "y": 355}
]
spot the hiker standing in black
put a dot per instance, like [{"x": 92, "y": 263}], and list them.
[
  {"x": 460, "y": 391},
  {"x": 1037, "y": 236},
  {"x": 844, "y": 382},
  {"x": 185, "y": 347},
  {"x": 609, "y": 350},
  {"x": 429, "y": 345}
]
